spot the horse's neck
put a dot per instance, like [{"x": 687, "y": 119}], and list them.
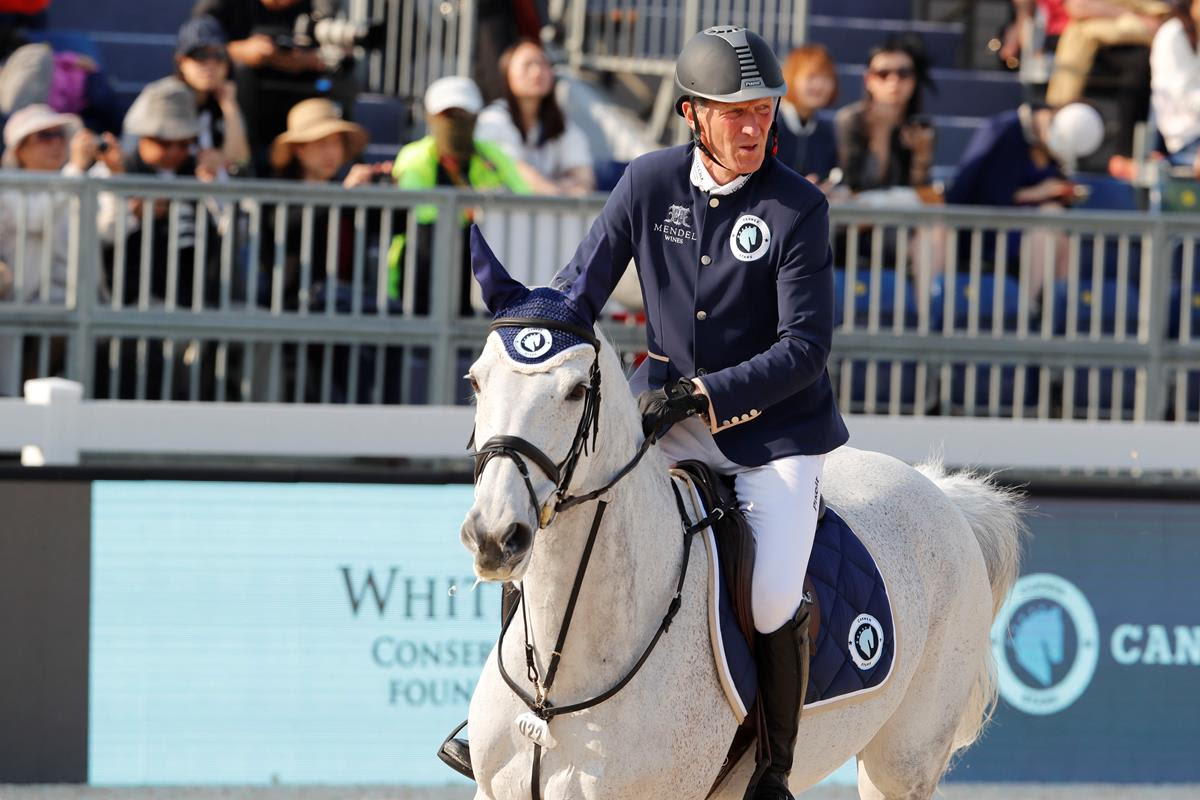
[{"x": 630, "y": 578}]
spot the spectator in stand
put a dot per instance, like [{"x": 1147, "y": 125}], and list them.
[
  {"x": 884, "y": 140},
  {"x": 1024, "y": 12},
  {"x": 273, "y": 70},
  {"x": 449, "y": 156},
  {"x": 806, "y": 142},
  {"x": 202, "y": 63},
  {"x": 68, "y": 82},
  {"x": 25, "y": 77},
  {"x": 163, "y": 119},
  {"x": 37, "y": 139},
  {"x": 317, "y": 147},
  {"x": 551, "y": 154},
  {"x": 1175, "y": 86},
  {"x": 1017, "y": 159},
  {"x": 1094, "y": 24}
]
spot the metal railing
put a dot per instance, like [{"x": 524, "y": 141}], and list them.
[
  {"x": 280, "y": 292},
  {"x": 426, "y": 40}
]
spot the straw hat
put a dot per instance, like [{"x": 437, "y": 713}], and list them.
[
  {"x": 313, "y": 119},
  {"x": 28, "y": 121}
]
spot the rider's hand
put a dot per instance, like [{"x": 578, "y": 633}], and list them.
[{"x": 675, "y": 402}]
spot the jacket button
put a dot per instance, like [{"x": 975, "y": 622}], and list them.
[
  {"x": 700, "y": 373},
  {"x": 714, "y": 202},
  {"x": 700, "y": 315},
  {"x": 706, "y": 260}
]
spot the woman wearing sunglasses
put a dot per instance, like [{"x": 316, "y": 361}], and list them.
[{"x": 883, "y": 140}]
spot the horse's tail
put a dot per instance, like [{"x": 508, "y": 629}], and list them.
[{"x": 995, "y": 514}]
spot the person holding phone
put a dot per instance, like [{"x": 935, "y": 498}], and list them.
[{"x": 884, "y": 140}]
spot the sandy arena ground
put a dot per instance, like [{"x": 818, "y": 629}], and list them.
[{"x": 959, "y": 791}]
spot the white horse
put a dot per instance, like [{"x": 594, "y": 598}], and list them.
[{"x": 947, "y": 545}]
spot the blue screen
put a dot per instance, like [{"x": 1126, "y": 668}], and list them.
[{"x": 300, "y": 633}]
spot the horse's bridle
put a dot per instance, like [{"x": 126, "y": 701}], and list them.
[
  {"x": 561, "y": 473},
  {"x": 513, "y": 447}
]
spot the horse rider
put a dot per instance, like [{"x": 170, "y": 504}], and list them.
[{"x": 732, "y": 248}]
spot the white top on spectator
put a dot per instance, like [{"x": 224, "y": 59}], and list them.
[
  {"x": 552, "y": 159},
  {"x": 1175, "y": 86}
]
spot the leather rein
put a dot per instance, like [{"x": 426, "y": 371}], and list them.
[{"x": 514, "y": 447}]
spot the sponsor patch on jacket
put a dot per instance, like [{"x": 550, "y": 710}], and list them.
[{"x": 749, "y": 238}]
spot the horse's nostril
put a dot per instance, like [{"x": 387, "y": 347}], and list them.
[{"x": 516, "y": 539}]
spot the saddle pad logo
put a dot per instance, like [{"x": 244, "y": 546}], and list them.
[
  {"x": 533, "y": 342},
  {"x": 866, "y": 641},
  {"x": 749, "y": 238}
]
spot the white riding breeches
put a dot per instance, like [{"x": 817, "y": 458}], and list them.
[{"x": 780, "y": 501}]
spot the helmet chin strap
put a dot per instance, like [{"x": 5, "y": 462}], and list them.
[{"x": 696, "y": 137}]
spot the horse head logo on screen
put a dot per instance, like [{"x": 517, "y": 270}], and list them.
[{"x": 1046, "y": 643}]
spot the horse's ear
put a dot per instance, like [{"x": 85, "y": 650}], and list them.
[
  {"x": 593, "y": 280},
  {"x": 500, "y": 290}
]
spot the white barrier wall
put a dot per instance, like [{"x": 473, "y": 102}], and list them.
[{"x": 55, "y": 426}]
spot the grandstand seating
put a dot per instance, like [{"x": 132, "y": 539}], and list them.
[{"x": 136, "y": 48}]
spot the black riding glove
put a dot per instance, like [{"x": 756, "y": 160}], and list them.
[{"x": 675, "y": 402}]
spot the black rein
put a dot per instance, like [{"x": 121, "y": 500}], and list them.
[{"x": 514, "y": 447}]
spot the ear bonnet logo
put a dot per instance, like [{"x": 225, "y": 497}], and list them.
[
  {"x": 533, "y": 342},
  {"x": 749, "y": 238},
  {"x": 1046, "y": 641},
  {"x": 866, "y": 641}
]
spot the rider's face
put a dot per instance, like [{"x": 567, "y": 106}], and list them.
[{"x": 736, "y": 133}]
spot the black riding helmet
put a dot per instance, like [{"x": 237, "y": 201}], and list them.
[{"x": 728, "y": 64}]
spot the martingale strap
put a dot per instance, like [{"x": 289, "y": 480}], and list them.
[
  {"x": 518, "y": 449},
  {"x": 540, "y": 705}
]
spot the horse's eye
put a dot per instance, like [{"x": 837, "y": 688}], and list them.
[
  {"x": 474, "y": 383},
  {"x": 578, "y": 393}
]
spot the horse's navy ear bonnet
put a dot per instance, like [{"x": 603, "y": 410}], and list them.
[{"x": 508, "y": 299}]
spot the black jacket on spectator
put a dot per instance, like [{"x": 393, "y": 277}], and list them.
[
  {"x": 159, "y": 243},
  {"x": 267, "y": 94},
  {"x": 856, "y": 159},
  {"x": 293, "y": 284},
  {"x": 242, "y": 18}
]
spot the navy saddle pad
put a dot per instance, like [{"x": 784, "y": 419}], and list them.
[{"x": 855, "y": 648}]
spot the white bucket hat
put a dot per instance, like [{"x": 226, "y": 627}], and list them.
[{"x": 28, "y": 121}]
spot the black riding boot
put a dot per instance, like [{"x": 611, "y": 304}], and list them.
[
  {"x": 782, "y": 684},
  {"x": 456, "y": 752}
]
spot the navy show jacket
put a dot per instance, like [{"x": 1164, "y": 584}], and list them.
[{"x": 738, "y": 292}]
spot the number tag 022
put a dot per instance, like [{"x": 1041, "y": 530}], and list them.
[{"x": 536, "y": 729}]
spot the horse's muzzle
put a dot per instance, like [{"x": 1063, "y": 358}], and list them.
[{"x": 497, "y": 553}]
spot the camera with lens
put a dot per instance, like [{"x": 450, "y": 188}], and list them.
[{"x": 312, "y": 30}]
